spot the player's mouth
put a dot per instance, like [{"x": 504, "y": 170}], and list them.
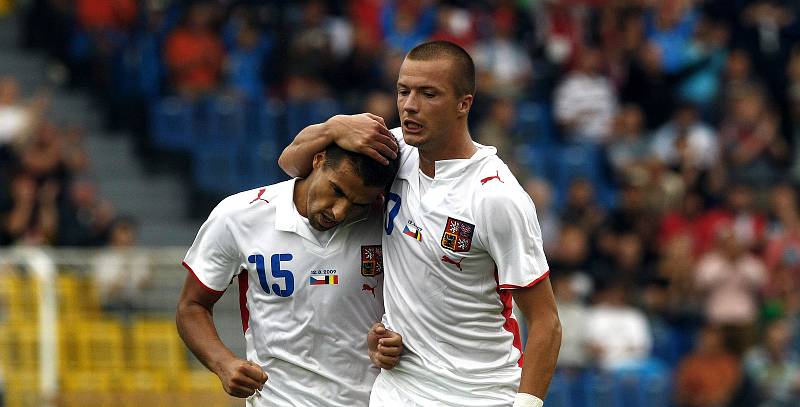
[
  {"x": 410, "y": 126},
  {"x": 327, "y": 222}
]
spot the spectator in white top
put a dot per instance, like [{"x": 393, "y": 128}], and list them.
[
  {"x": 121, "y": 274},
  {"x": 617, "y": 333},
  {"x": 686, "y": 141},
  {"x": 503, "y": 66},
  {"x": 585, "y": 102}
]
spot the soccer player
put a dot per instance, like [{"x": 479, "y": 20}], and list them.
[
  {"x": 307, "y": 253},
  {"x": 461, "y": 238}
]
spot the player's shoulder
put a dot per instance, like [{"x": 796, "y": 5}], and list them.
[
  {"x": 492, "y": 178},
  {"x": 244, "y": 201}
]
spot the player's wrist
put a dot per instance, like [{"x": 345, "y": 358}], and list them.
[{"x": 527, "y": 400}]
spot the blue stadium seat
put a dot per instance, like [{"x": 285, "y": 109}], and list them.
[
  {"x": 260, "y": 165},
  {"x": 575, "y": 161},
  {"x": 215, "y": 167},
  {"x": 263, "y": 122},
  {"x": 172, "y": 126},
  {"x": 226, "y": 119},
  {"x": 537, "y": 158},
  {"x": 535, "y": 122},
  {"x": 301, "y": 114}
]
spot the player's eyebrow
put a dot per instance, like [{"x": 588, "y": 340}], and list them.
[{"x": 339, "y": 190}]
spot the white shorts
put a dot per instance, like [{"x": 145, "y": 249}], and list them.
[
  {"x": 386, "y": 394},
  {"x": 391, "y": 391}
]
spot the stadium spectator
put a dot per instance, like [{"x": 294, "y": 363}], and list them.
[
  {"x": 585, "y": 102},
  {"x": 751, "y": 140},
  {"x": 685, "y": 143},
  {"x": 709, "y": 376},
  {"x": 775, "y": 366},
  {"x": 497, "y": 128},
  {"x": 194, "y": 54},
  {"x": 581, "y": 208},
  {"x": 244, "y": 73},
  {"x": 573, "y": 314},
  {"x": 407, "y": 23},
  {"x": 629, "y": 145},
  {"x": 85, "y": 218},
  {"x": 15, "y": 119},
  {"x": 502, "y": 63},
  {"x": 121, "y": 273},
  {"x": 33, "y": 216},
  {"x": 782, "y": 253},
  {"x": 731, "y": 279},
  {"x": 542, "y": 193},
  {"x": 617, "y": 334}
]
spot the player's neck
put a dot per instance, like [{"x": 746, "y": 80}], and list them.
[
  {"x": 458, "y": 147},
  {"x": 300, "y": 196}
]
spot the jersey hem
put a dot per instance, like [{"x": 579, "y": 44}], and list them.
[
  {"x": 533, "y": 283},
  {"x": 207, "y": 288}
]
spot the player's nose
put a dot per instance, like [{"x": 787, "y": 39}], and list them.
[
  {"x": 341, "y": 209},
  {"x": 410, "y": 104}
]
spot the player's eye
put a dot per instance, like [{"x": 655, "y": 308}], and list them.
[{"x": 402, "y": 92}]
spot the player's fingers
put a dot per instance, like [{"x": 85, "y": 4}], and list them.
[
  {"x": 376, "y": 118},
  {"x": 389, "y": 350},
  {"x": 246, "y": 382},
  {"x": 384, "y": 150},
  {"x": 391, "y": 338},
  {"x": 378, "y": 328},
  {"x": 241, "y": 391},
  {"x": 254, "y": 371},
  {"x": 375, "y": 155},
  {"x": 386, "y": 362}
]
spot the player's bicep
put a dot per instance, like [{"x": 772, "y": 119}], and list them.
[
  {"x": 537, "y": 300},
  {"x": 196, "y": 293}
]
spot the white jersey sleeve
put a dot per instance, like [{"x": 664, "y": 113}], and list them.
[
  {"x": 213, "y": 257},
  {"x": 512, "y": 237}
]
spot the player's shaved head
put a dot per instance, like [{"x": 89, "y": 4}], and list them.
[
  {"x": 464, "y": 68},
  {"x": 370, "y": 171}
]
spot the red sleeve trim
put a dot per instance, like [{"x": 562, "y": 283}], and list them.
[
  {"x": 514, "y": 287},
  {"x": 207, "y": 288}
]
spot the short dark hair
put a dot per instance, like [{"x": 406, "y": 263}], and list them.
[
  {"x": 464, "y": 79},
  {"x": 370, "y": 171}
]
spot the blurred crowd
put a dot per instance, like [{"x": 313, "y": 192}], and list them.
[
  {"x": 46, "y": 197},
  {"x": 660, "y": 141}
]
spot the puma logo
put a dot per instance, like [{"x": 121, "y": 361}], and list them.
[
  {"x": 496, "y": 176},
  {"x": 367, "y": 287},
  {"x": 451, "y": 261},
  {"x": 259, "y": 198}
]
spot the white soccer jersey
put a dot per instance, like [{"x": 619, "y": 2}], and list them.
[
  {"x": 450, "y": 257},
  {"x": 306, "y": 308}
]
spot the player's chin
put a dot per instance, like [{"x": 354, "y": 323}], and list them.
[{"x": 414, "y": 140}]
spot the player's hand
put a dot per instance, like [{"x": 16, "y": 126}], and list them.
[
  {"x": 241, "y": 378},
  {"x": 385, "y": 346},
  {"x": 363, "y": 133}
]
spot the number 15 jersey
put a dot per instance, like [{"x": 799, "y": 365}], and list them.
[{"x": 306, "y": 305}]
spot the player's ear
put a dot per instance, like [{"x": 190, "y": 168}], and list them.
[
  {"x": 465, "y": 104},
  {"x": 319, "y": 160}
]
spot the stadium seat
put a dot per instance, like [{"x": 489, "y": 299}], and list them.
[
  {"x": 227, "y": 121},
  {"x": 263, "y": 120},
  {"x": 100, "y": 345},
  {"x": 155, "y": 345},
  {"x": 215, "y": 167},
  {"x": 301, "y": 114},
  {"x": 22, "y": 388},
  {"x": 172, "y": 125},
  {"x": 535, "y": 123}
]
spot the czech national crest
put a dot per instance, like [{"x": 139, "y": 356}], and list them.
[
  {"x": 371, "y": 260},
  {"x": 457, "y": 235}
]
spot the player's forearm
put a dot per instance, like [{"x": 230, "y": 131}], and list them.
[
  {"x": 544, "y": 342},
  {"x": 297, "y": 157},
  {"x": 196, "y": 328}
]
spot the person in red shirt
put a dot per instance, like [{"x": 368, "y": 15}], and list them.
[{"x": 194, "y": 53}]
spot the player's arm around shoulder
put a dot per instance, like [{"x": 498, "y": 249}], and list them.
[{"x": 363, "y": 133}]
